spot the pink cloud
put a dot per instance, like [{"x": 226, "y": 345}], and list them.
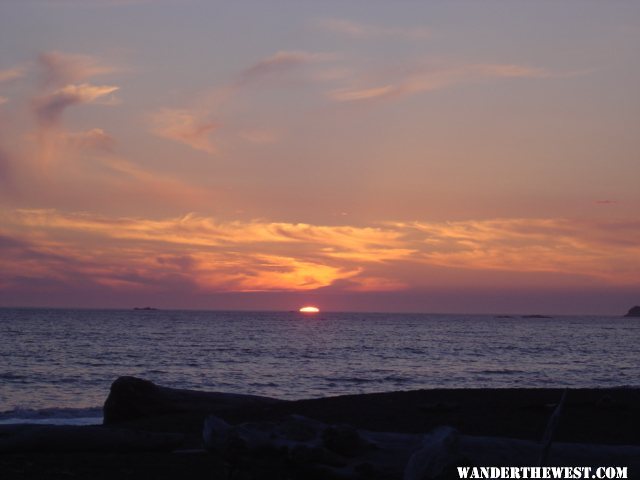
[
  {"x": 48, "y": 108},
  {"x": 427, "y": 79},
  {"x": 11, "y": 74},
  {"x": 94, "y": 139},
  {"x": 187, "y": 127}
]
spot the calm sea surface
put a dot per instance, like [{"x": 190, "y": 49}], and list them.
[{"x": 59, "y": 364}]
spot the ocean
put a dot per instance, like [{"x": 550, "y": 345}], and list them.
[{"x": 56, "y": 365}]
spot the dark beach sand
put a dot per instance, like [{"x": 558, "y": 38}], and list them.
[{"x": 604, "y": 416}]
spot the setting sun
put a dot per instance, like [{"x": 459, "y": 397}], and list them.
[{"x": 309, "y": 310}]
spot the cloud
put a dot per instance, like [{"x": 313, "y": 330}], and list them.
[
  {"x": 424, "y": 80},
  {"x": 94, "y": 139},
  {"x": 11, "y": 74},
  {"x": 605, "y": 250},
  {"x": 186, "y": 127},
  {"x": 49, "y": 108},
  {"x": 63, "y": 85},
  {"x": 133, "y": 180},
  {"x": 280, "y": 62},
  {"x": 5, "y": 170},
  {"x": 193, "y": 126},
  {"x": 59, "y": 68},
  {"x": 58, "y": 167},
  {"x": 362, "y": 30},
  {"x": 347, "y": 95},
  {"x": 258, "y": 255}
]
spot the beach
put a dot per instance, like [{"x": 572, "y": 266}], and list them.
[{"x": 589, "y": 416}]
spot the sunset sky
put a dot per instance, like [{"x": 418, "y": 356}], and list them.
[{"x": 356, "y": 155}]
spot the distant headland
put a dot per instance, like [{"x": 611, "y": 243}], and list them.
[{"x": 633, "y": 312}]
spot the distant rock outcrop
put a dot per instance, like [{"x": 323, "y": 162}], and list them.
[
  {"x": 133, "y": 398},
  {"x": 633, "y": 312}
]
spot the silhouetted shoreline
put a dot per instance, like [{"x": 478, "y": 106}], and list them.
[{"x": 595, "y": 416}]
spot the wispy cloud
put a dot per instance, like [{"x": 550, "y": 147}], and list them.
[
  {"x": 363, "y": 30},
  {"x": 350, "y": 95},
  {"x": 426, "y": 79},
  {"x": 94, "y": 139},
  {"x": 191, "y": 128},
  {"x": 572, "y": 247},
  {"x": 194, "y": 126},
  {"x": 13, "y": 73},
  {"x": 259, "y": 255},
  {"x": 280, "y": 62},
  {"x": 60, "y": 167},
  {"x": 48, "y": 108},
  {"x": 64, "y": 83}
]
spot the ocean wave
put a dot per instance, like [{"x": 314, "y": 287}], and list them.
[
  {"x": 350, "y": 380},
  {"x": 501, "y": 371},
  {"x": 52, "y": 416},
  {"x": 12, "y": 376}
]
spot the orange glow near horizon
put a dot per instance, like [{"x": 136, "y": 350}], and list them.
[{"x": 309, "y": 310}]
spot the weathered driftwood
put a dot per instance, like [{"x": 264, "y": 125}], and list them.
[
  {"x": 550, "y": 431},
  {"x": 340, "y": 451},
  {"x": 132, "y": 398},
  {"x": 68, "y": 438},
  {"x": 436, "y": 457},
  {"x": 344, "y": 452}
]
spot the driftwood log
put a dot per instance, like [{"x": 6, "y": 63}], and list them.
[
  {"x": 341, "y": 451},
  {"x": 133, "y": 398}
]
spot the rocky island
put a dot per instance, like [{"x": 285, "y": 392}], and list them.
[{"x": 633, "y": 312}]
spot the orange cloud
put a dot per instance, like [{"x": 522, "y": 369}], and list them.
[
  {"x": 214, "y": 256},
  {"x": 262, "y": 272},
  {"x": 592, "y": 249}
]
